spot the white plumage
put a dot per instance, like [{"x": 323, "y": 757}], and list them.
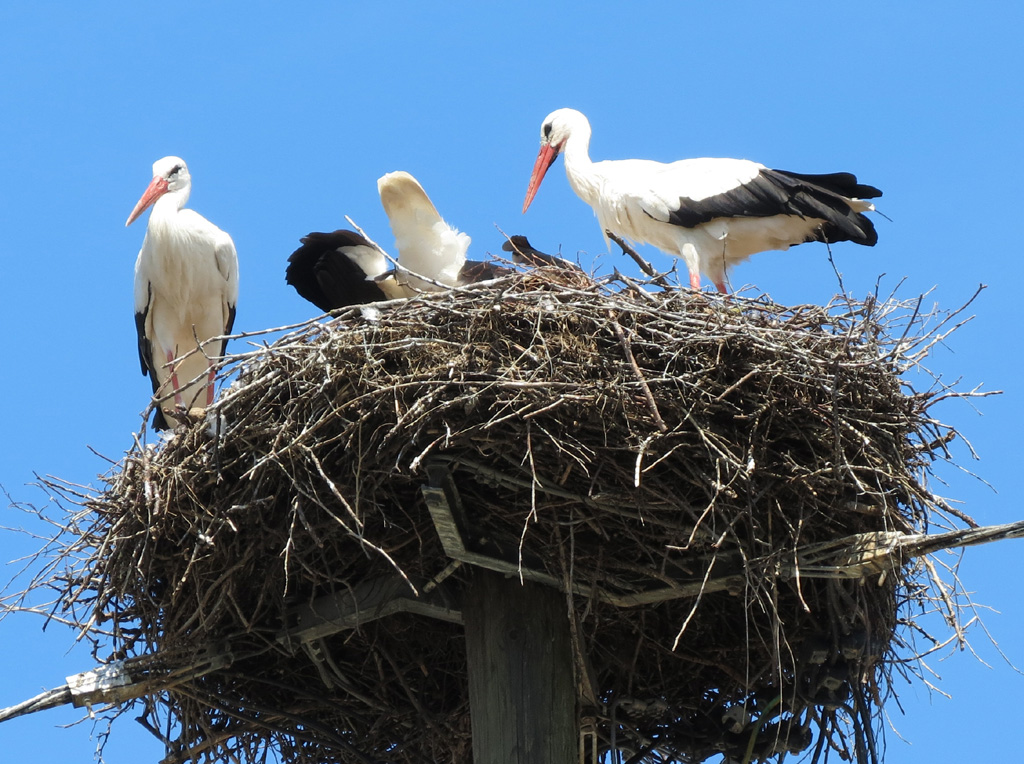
[
  {"x": 713, "y": 213},
  {"x": 426, "y": 244},
  {"x": 186, "y": 287}
]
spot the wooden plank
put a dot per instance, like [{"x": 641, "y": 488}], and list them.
[
  {"x": 522, "y": 685},
  {"x": 367, "y": 601},
  {"x": 441, "y": 514}
]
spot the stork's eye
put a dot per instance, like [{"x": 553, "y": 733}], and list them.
[
  {"x": 547, "y": 129},
  {"x": 174, "y": 171}
]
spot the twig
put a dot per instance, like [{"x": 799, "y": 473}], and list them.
[
  {"x": 645, "y": 266},
  {"x": 637, "y": 374}
]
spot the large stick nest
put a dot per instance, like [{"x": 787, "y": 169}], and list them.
[{"x": 617, "y": 441}]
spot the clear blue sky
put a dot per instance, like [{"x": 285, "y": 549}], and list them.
[{"x": 287, "y": 114}]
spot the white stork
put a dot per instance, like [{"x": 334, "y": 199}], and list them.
[
  {"x": 713, "y": 213},
  {"x": 334, "y": 270},
  {"x": 186, "y": 287}
]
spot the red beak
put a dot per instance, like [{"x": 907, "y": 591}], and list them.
[
  {"x": 548, "y": 154},
  {"x": 156, "y": 188}
]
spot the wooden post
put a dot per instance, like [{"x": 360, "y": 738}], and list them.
[{"x": 522, "y": 687}]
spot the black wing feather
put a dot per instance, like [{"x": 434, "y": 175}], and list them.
[
  {"x": 227, "y": 330},
  {"x": 324, "y": 275},
  {"x": 146, "y": 359},
  {"x": 842, "y": 183},
  {"x": 778, "y": 192},
  {"x": 824, "y": 197},
  {"x": 144, "y": 345},
  {"x": 757, "y": 198}
]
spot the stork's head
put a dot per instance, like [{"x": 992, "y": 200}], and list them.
[
  {"x": 554, "y": 132},
  {"x": 170, "y": 175}
]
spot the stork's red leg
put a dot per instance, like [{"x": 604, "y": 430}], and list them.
[
  {"x": 720, "y": 285},
  {"x": 174, "y": 381},
  {"x": 692, "y": 260},
  {"x": 209, "y": 387}
]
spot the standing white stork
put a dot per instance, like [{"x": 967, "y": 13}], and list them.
[
  {"x": 186, "y": 287},
  {"x": 713, "y": 213},
  {"x": 334, "y": 270}
]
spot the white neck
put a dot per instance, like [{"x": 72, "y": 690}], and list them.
[
  {"x": 578, "y": 167},
  {"x": 169, "y": 204}
]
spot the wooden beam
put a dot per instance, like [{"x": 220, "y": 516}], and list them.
[
  {"x": 522, "y": 685},
  {"x": 367, "y": 601}
]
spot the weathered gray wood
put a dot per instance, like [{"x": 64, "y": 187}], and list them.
[
  {"x": 522, "y": 687},
  {"x": 367, "y": 601}
]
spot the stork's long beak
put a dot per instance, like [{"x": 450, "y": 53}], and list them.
[
  {"x": 548, "y": 154},
  {"x": 156, "y": 188}
]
